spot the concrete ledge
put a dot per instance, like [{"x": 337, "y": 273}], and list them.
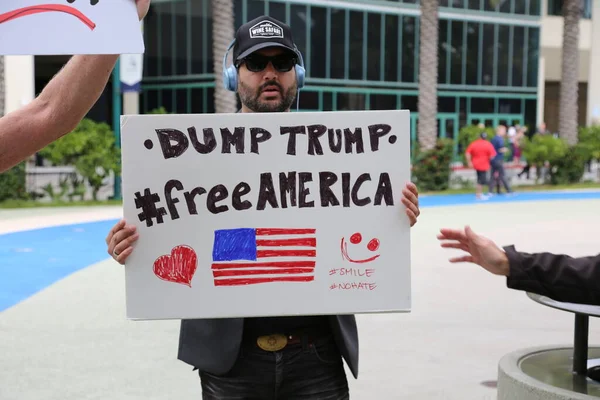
[{"x": 544, "y": 373}]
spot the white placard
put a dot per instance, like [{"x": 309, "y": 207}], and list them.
[
  {"x": 48, "y": 27},
  {"x": 267, "y": 214}
]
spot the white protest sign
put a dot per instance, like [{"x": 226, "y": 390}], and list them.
[
  {"x": 49, "y": 27},
  {"x": 266, "y": 214}
]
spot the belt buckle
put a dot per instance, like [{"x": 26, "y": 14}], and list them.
[{"x": 274, "y": 342}]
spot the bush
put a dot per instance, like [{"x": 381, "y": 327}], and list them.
[
  {"x": 159, "y": 110},
  {"x": 566, "y": 164},
  {"x": 571, "y": 167},
  {"x": 12, "y": 183},
  {"x": 91, "y": 149},
  {"x": 542, "y": 148},
  {"x": 589, "y": 140},
  {"x": 431, "y": 169}
]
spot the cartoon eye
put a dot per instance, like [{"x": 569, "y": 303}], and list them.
[
  {"x": 356, "y": 238},
  {"x": 373, "y": 244},
  {"x": 92, "y": 2}
]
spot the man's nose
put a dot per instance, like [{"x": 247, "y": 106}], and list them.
[{"x": 270, "y": 72}]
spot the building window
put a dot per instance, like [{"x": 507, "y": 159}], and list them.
[
  {"x": 409, "y": 48},
  {"x": 359, "y": 59},
  {"x": 520, "y": 7},
  {"x": 555, "y": 8}
]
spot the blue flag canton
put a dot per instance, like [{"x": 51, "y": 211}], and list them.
[{"x": 235, "y": 244}]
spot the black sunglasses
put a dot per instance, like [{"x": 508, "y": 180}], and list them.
[{"x": 258, "y": 62}]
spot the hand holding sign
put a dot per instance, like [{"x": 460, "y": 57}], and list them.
[
  {"x": 142, "y": 8},
  {"x": 47, "y": 27},
  {"x": 122, "y": 237}
]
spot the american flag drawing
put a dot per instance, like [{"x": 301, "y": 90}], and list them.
[{"x": 246, "y": 256}]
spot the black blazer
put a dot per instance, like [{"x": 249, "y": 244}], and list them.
[
  {"x": 557, "y": 276},
  {"x": 212, "y": 345}
]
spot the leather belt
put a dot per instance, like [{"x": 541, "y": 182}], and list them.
[{"x": 279, "y": 341}]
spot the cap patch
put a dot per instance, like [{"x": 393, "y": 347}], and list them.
[{"x": 266, "y": 30}]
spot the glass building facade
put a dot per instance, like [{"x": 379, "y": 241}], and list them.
[
  {"x": 363, "y": 55},
  {"x": 555, "y": 8}
]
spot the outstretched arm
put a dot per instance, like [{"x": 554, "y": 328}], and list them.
[
  {"x": 59, "y": 108},
  {"x": 558, "y": 276},
  {"x": 56, "y": 111}
]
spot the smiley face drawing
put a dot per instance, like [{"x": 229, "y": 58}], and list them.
[{"x": 356, "y": 238}]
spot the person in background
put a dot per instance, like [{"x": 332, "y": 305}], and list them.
[
  {"x": 512, "y": 136},
  {"x": 294, "y": 357},
  {"x": 497, "y": 163},
  {"x": 518, "y": 145},
  {"x": 478, "y": 154}
]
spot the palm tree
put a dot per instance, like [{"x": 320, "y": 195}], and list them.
[
  {"x": 2, "y": 89},
  {"x": 428, "y": 74},
  {"x": 568, "y": 113},
  {"x": 223, "y": 32}
]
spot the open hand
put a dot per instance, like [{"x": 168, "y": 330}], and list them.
[
  {"x": 120, "y": 240},
  {"x": 410, "y": 199},
  {"x": 482, "y": 251}
]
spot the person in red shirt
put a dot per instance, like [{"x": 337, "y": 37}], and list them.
[{"x": 479, "y": 153}]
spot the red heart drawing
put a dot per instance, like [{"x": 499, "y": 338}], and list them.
[{"x": 179, "y": 267}]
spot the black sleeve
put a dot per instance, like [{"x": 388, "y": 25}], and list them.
[{"x": 557, "y": 276}]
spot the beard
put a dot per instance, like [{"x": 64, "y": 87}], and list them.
[{"x": 251, "y": 98}]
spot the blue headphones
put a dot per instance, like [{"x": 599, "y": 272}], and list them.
[{"x": 230, "y": 76}]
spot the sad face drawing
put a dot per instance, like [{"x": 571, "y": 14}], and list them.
[
  {"x": 70, "y": 27},
  {"x": 43, "y": 8}
]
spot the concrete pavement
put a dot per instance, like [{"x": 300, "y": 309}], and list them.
[{"x": 71, "y": 341}]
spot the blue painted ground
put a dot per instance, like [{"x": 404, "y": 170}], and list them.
[
  {"x": 33, "y": 260},
  {"x": 468, "y": 199}
]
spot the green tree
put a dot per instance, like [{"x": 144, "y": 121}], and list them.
[
  {"x": 431, "y": 170},
  {"x": 589, "y": 140},
  {"x": 91, "y": 149}
]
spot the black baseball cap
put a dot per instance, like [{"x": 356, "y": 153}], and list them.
[{"x": 259, "y": 33}]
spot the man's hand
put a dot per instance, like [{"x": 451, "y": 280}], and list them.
[
  {"x": 482, "y": 251},
  {"x": 142, "y": 8},
  {"x": 410, "y": 199},
  {"x": 120, "y": 241}
]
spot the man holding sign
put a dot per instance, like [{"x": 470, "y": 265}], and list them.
[
  {"x": 268, "y": 357},
  {"x": 62, "y": 104}
]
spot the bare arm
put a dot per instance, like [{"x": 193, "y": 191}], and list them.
[
  {"x": 60, "y": 107},
  {"x": 57, "y": 110}
]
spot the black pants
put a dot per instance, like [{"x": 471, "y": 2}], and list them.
[
  {"x": 525, "y": 170},
  {"x": 300, "y": 371},
  {"x": 497, "y": 166}
]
